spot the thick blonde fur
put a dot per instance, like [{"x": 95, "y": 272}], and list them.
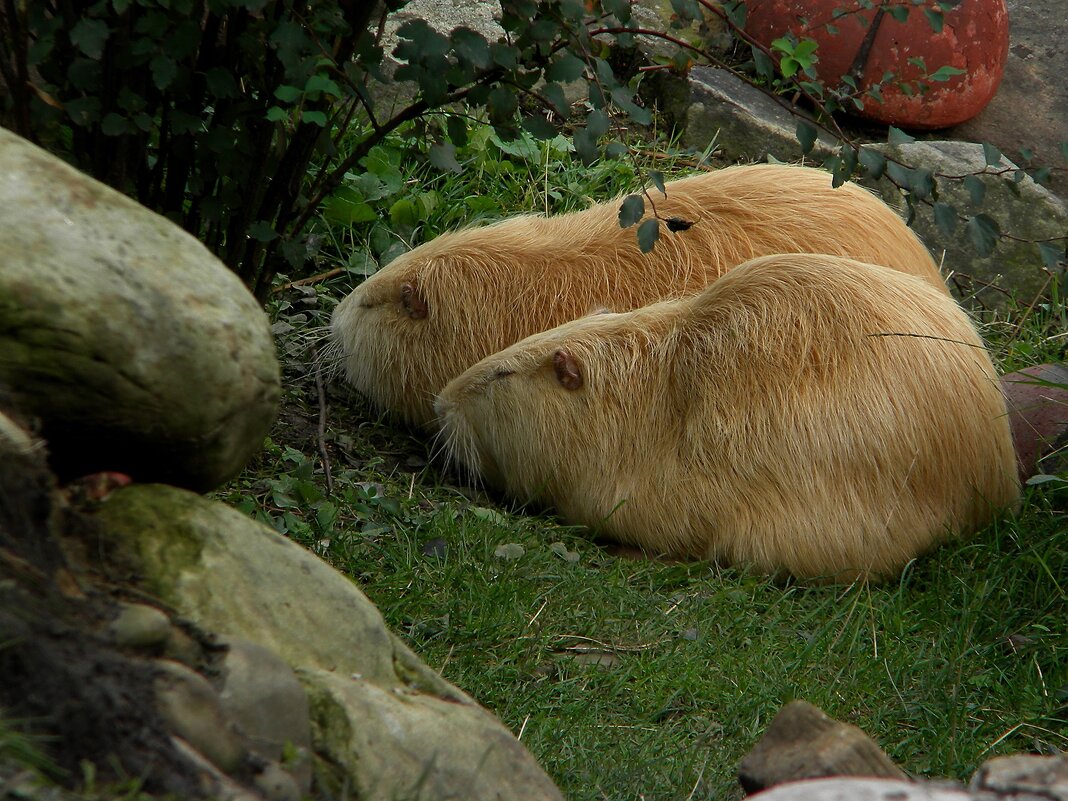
[
  {"x": 805, "y": 413},
  {"x": 485, "y": 288}
]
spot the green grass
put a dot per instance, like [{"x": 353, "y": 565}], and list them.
[{"x": 639, "y": 679}]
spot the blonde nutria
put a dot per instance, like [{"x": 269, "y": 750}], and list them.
[
  {"x": 420, "y": 322},
  {"x": 807, "y": 414}
]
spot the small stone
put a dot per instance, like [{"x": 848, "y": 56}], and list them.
[
  {"x": 139, "y": 626},
  {"x": 276, "y": 784},
  {"x": 191, "y": 708}
]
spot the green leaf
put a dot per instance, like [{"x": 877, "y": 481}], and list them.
[
  {"x": 565, "y": 68},
  {"x": 288, "y": 94},
  {"x": 163, "y": 71},
  {"x": 806, "y": 136},
  {"x": 457, "y": 129},
  {"x": 277, "y": 113},
  {"x": 443, "y": 156},
  {"x": 687, "y": 10},
  {"x": 539, "y": 127},
  {"x": 984, "y": 233},
  {"x": 873, "y": 162},
  {"x": 314, "y": 118},
  {"x": 220, "y": 82},
  {"x": 555, "y": 95},
  {"x": 597, "y": 123},
  {"x": 585, "y": 146},
  {"x": 900, "y": 13},
  {"x": 472, "y": 48},
  {"x": 262, "y": 231},
  {"x": 657, "y": 178},
  {"x": 976, "y": 189},
  {"x": 1053, "y": 255},
  {"x": 89, "y": 36},
  {"x": 114, "y": 125},
  {"x": 992, "y": 155},
  {"x": 896, "y": 136},
  {"x": 935, "y": 19},
  {"x": 945, "y": 73},
  {"x": 404, "y": 212},
  {"x": 321, "y": 83},
  {"x": 945, "y": 217},
  {"x": 631, "y": 210},
  {"x": 765, "y": 67},
  {"x": 648, "y": 233}
]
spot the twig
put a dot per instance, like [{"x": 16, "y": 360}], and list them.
[
  {"x": 322, "y": 423},
  {"x": 311, "y": 279}
]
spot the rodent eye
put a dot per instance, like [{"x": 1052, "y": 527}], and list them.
[
  {"x": 413, "y": 301},
  {"x": 566, "y": 367},
  {"x": 501, "y": 372}
]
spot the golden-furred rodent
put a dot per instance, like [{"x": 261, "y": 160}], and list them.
[
  {"x": 805, "y": 414},
  {"x": 432, "y": 313}
]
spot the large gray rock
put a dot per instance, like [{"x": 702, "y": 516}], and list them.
[
  {"x": 1025, "y": 210},
  {"x": 1031, "y": 106},
  {"x": 743, "y": 122},
  {"x": 139, "y": 351},
  {"x": 378, "y": 712}
]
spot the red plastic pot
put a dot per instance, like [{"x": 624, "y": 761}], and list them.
[{"x": 974, "y": 38}]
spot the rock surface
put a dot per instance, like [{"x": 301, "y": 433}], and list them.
[
  {"x": 804, "y": 743},
  {"x": 743, "y": 122},
  {"x": 1037, "y": 399},
  {"x": 1031, "y": 107},
  {"x": 1024, "y": 209},
  {"x": 388, "y": 721},
  {"x": 138, "y": 350}
]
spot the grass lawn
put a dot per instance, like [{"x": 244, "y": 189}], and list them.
[{"x": 640, "y": 679}]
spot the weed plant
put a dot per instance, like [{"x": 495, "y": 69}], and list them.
[{"x": 643, "y": 679}]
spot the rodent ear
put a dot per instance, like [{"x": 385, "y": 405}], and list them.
[
  {"x": 413, "y": 301},
  {"x": 567, "y": 370}
]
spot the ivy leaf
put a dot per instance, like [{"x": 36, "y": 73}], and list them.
[
  {"x": 945, "y": 217},
  {"x": 900, "y": 13},
  {"x": 321, "y": 83},
  {"x": 898, "y": 137},
  {"x": 992, "y": 155},
  {"x": 945, "y": 73},
  {"x": 765, "y": 67},
  {"x": 313, "y": 118},
  {"x": 262, "y": 231},
  {"x": 457, "y": 128},
  {"x": 632, "y": 210},
  {"x": 687, "y": 10},
  {"x": 539, "y": 127},
  {"x": 585, "y": 146},
  {"x": 873, "y": 162},
  {"x": 277, "y": 114},
  {"x": 806, "y": 136},
  {"x": 443, "y": 156},
  {"x": 657, "y": 178},
  {"x": 597, "y": 123},
  {"x": 89, "y": 35},
  {"x": 472, "y": 48},
  {"x": 163, "y": 71},
  {"x": 288, "y": 94},
  {"x": 648, "y": 233},
  {"x": 114, "y": 125},
  {"x": 984, "y": 233},
  {"x": 1052, "y": 255},
  {"x": 565, "y": 68},
  {"x": 976, "y": 189},
  {"x": 934, "y": 19}
]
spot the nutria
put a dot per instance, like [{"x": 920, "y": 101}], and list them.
[
  {"x": 432, "y": 313},
  {"x": 804, "y": 414}
]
